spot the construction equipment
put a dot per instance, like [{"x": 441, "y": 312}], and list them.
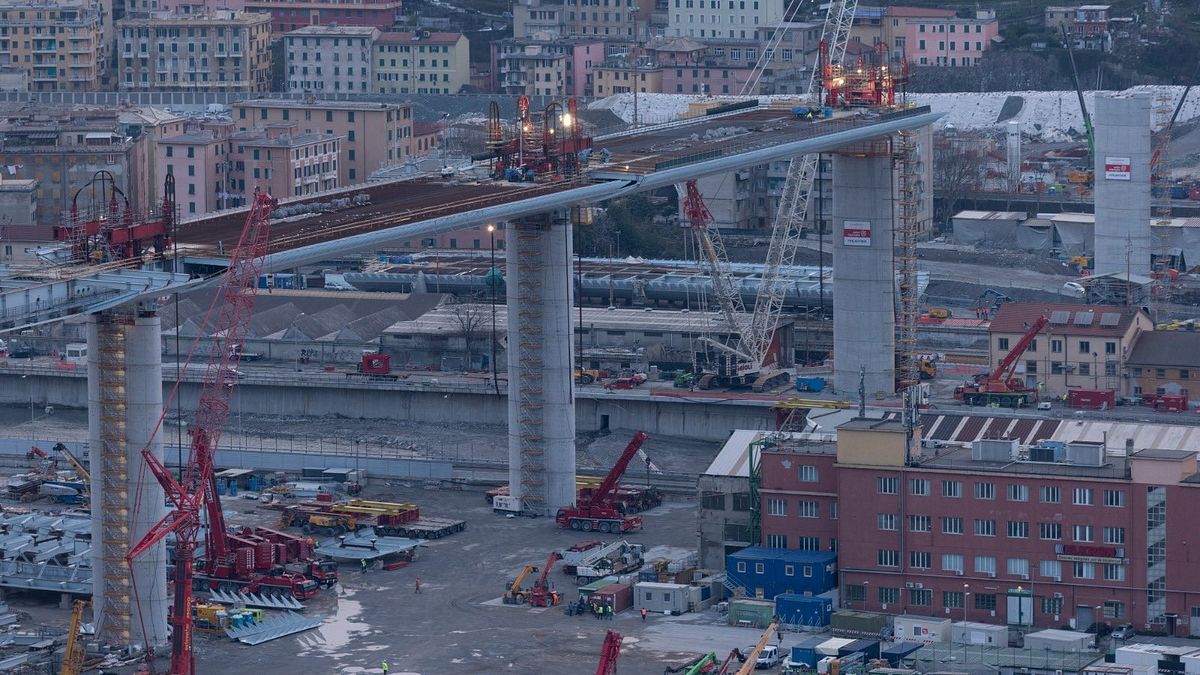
[
  {"x": 1087, "y": 117},
  {"x": 540, "y": 594},
  {"x": 752, "y": 657},
  {"x": 610, "y": 651},
  {"x": 376, "y": 367},
  {"x": 586, "y": 375},
  {"x": 228, "y": 321},
  {"x": 999, "y": 387},
  {"x": 598, "y": 512},
  {"x": 515, "y": 595},
  {"x": 109, "y": 231},
  {"x": 619, "y": 557},
  {"x": 74, "y": 462},
  {"x": 74, "y": 653},
  {"x": 927, "y": 368},
  {"x": 989, "y": 301}
]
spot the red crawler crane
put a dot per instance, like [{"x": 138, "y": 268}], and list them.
[
  {"x": 229, "y": 318},
  {"x": 598, "y": 512},
  {"x": 1000, "y": 386},
  {"x": 609, "y": 653}
]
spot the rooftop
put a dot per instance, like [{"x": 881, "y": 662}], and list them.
[
  {"x": 788, "y": 555},
  {"x": 1164, "y": 453},
  {"x": 959, "y": 460},
  {"x": 216, "y": 17},
  {"x": 316, "y": 104},
  {"x": 419, "y": 38},
  {"x": 1166, "y": 349},
  {"x": 333, "y": 30},
  {"x": 252, "y": 138},
  {"x": 991, "y": 215},
  {"x": 191, "y": 138},
  {"x": 1065, "y": 318}
]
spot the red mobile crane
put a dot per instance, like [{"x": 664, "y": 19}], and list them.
[
  {"x": 609, "y": 653},
  {"x": 598, "y": 512},
  {"x": 999, "y": 386},
  {"x": 229, "y": 317},
  {"x": 541, "y": 595}
]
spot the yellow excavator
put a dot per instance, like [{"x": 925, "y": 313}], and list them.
[
  {"x": 515, "y": 595},
  {"x": 72, "y": 663}
]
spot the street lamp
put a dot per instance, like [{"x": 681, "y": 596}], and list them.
[
  {"x": 492, "y": 277},
  {"x": 1095, "y": 375},
  {"x": 966, "y": 594}
]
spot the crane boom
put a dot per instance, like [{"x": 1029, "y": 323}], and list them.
[
  {"x": 610, "y": 651},
  {"x": 752, "y": 657},
  {"x": 1003, "y": 371},
  {"x": 1165, "y": 133},
  {"x": 228, "y": 318},
  {"x": 1087, "y": 118},
  {"x": 603, "y": 493},
  {"x": 701, "y": 220},
  {"x": 540, "y": 582}
]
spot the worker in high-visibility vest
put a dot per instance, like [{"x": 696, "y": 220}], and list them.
[{"x": 385, "y": 668}]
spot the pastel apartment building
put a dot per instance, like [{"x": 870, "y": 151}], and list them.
[
  {"x": 421, "y": 63},
  {"x": 372, "y": 135},
  {"x": 329, "y": 59},
  {"x": 546, "y": 67},
  {"x": 721, "y": 18},
  {"x": 950, "y": 42},
  {"x": 289, "y": 15},
  {"x": 218, "y": 51},
  {"x": 61, "y": 47}
]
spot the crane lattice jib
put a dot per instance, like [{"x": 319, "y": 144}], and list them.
[
  {"x": 231, "y": 309},
  {"x": 835, "y": 34},
  {"x": 701, "y": 219}
]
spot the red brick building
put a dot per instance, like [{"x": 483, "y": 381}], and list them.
[{"x": 984, "y": 534}]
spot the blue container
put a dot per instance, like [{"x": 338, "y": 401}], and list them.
[
  {"x": 767, "y": 572},
  {"x": 806, "y": 652},
  {"x": 868, "y": 648},
  {"x": 803, "y": 610},
  {"x": 810, "y": 383},
  {"x": 828, "y": 111},
  {"x": 896, "y": 653}
]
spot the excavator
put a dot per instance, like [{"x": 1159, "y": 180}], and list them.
[{"x": 541, "y": 595}]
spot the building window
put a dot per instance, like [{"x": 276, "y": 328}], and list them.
[
  {"x": 833, "y": 510},
  {"x": 918, "y": 523},
  {"x": 1001, "y": 343},
  {"x": 1184, "y": 374},
  {"x": 887, "y": 521},
  {"x": 1018, "y": 492},
  {"x": 1085, "y": 369},
  {"x": 808, "y": 473},
  {"x": 952, "y": 599},
  {"x": 776, "y": 541},
  {"x": 1081, "y": 496},
  {"x": 887, "y": 485},
  {"x": 889, "y": 595},
  {"x": 759, "y": 568},
  {"x": 1056, "y": 368},
  {"x": 1018, "y": 567},
  {"x": 1051, "y": 569},
  {"x": 1049, "y": 494},
  {"x": 1114, "y": 572},
  {"x": 741, "y": 501},
  {"x": 920, "y": 597},
  {"x": 888, "y": 557},
  {"x": 1110, "y": 348},
  {"x": 1085, "y": 347},
  {"x": 809, "y": 544},
  {"x": 856, "y": 593},
  {"x": 1115, "y": 498},
  {"x": 1018, "y": 529},
  {"x": 985, "y": 527},
  {"x": 952, "y": 525},
  {"x": 810, "y": 509},
  {"x": 985, "y": 601},
  {"x": 1084, "y": 570},
  {"x": 1056, "y": 346},
  {"x": 1052, "y": 605},
  {"x": 985, "y": 564},
  {"x": 1114, "y": 535},
  {"x": 951, "y": 488},
  {"x": 789, "y": 570},
  {"x": 1082, "y": 533},
  {"x": 1050, "y": 531},
  {"x": 776, "y": 507},
  {"x": 170, "y": 151},
  {"x": 952, "y": 562},
  {"x": 1114, "y": 609},
  {"x": 918, "y": 487},
  {"x": 920, "y": 559},
  {"x": 713, "y": 501},
  {"x": 985, "y": 491}
]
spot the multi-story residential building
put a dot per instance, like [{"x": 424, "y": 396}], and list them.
[
  {"x": 332, "y": 59},
  {"x": 373, "y": 135},
  {"x": 623, "y": 19},
  {"x": 1087, "y": 25},
  {"x": 154, "y": 124},
  {"x": 534, "y": 67},
  {"x": 1056, "y": 17},
  {"x": 288, "y": 15},
  {"x": 950, "y": 42},
  {"x": 421, "y": 63},
  {"x": 888, "y": 25},
  {"x": 716, "y": 19},
  {"x": 984, "y": 534},
  {"x": 1082, "y": 346},
  {"x": 619, "y": 76},
  {"x": 217, "y": 51},
  {"x": 60, "y": 46},
  {"x": 1163, "y": 362},
  {"x": 199, "y": 159},
  {"x": 535, "y": 17},
  {"x": 63, "y": 149}
]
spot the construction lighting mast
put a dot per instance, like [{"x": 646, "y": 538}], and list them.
[{"x": 229, "y": 319}]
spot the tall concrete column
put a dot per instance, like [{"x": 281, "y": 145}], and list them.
[
  {"x": 124, "y": 405},
  {"x": 541, "y": 383},
  {"x": 864, "y": 281},
  {"x": 1122, "y": 179}
]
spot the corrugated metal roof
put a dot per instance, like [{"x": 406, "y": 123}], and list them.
[
  {"x": 1144, "y": 434},
  {"x": 733, "y": 459}
]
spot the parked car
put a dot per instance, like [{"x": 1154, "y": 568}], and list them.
[
  {"x": 769, "y": 657},
  {"x": 1124, "y": 632}
]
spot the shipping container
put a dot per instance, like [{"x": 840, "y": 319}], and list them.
[
  {"x": 805, "y": 653},
  {"x": 832, "y": 646},
  {"x": 656, "y": 597},
  {"x": 751, "y": 613},
  {"x": 1092, "y": 399},
  {"x": 922, "y": 628},
  {"x": 585, "y": 591},
  {"x": 974, "y": 633},
  {"x": 803, "y": 610},
  {"x": 1058, "y": 641},
  {"x": 860, "y": 624},
  {"x": 868, "y": 648},
  {"x": 768, "y": 572},
  {"x": 620, "y": 596},
  {"x": 896, "y": 653}
]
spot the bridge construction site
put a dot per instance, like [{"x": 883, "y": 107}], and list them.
[{"x": 170, "y": 550}]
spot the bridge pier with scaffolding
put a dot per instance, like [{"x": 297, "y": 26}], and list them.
[{"x": 541, "y": 386}]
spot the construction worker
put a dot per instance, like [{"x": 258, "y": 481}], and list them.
[
  {"x": 363, "y": 562},
  {"x": 608, "y": 610},
  {"x": 643, "y": 615},
  {"x": 417, "y": 586},
  {"x": 385, "y": 668}
]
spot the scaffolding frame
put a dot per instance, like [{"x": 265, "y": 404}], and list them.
[
  {"x": 530, "y": 364},
  {"x": 116, "y": 588},
  {"x": 908, "y": 199}
]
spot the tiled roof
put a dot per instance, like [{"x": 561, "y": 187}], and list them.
[
  {"x": 1166, "y": 349},
  {"x": 1065, "y": 319}
]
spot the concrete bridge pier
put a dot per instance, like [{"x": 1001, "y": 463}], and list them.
[{"x": 541, "y": 383}]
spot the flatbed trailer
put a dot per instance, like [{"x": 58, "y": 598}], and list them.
[{"x": 429, "y": 528}]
